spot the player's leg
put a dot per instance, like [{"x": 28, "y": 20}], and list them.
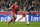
[
  {"x": 13, "y": 22},
  {"x": 10, "y": 21},
  {"x": 25, "y": 19},
  {"x": 20, "y": 18},
  {"x": 15, "y": 16}
]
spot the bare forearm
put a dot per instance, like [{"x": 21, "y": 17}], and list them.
[
  {"x": 10, "y": 8},
  {"x": 20, "y": 9}
]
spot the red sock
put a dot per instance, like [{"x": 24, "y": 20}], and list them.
[
  {"x": 10, "y": 22},
  {"x": 20, "y": 19},
  {"x": 14, "y": 21}
]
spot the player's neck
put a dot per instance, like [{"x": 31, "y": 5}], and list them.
[{"x": 15, "y": 4}]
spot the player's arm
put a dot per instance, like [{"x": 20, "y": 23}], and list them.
[
  {"x": 27, "y": 12},
  {"x": 10, "y": 7},
  {"x": 21, "y": 10}
]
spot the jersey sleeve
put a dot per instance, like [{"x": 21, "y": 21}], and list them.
[{"x": 13, "y": 5}]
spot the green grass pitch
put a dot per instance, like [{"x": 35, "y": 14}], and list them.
[{"x": 20, "y": 24}]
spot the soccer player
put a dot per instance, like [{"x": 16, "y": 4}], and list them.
[
  {"x": 15, "y": 8},
  {"x": 24, "y": 15}
]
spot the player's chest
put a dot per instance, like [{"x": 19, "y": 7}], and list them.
[{"x": 15, "y": 6}]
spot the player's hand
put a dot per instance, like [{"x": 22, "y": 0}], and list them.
[
  {"x": 7, "y": 9},
  {"x": 27, "y": 12}
]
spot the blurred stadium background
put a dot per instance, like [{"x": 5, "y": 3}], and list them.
[{"x": 32, "y": 6}]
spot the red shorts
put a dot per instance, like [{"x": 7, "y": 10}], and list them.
[
  {"x": 24, "y": 15},
  {"x": 14, "y": 14}
]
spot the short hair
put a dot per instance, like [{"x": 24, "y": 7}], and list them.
[{"x": 15, "y": 1}]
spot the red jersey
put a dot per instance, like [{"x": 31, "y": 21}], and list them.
[
  {"x": 24, "y": 9},
  {"x": 24, "y": 14},
  {"x": 15, "y": 8}
]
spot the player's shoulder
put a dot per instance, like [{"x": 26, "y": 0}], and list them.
[
  {"x": 13, "y": 5},
  {"x": 17, "y": 5}
]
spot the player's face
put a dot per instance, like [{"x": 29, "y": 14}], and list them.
[{"x": 16, "y": 3}]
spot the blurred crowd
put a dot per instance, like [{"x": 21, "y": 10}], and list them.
[{"x": 31, "y": 5}]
